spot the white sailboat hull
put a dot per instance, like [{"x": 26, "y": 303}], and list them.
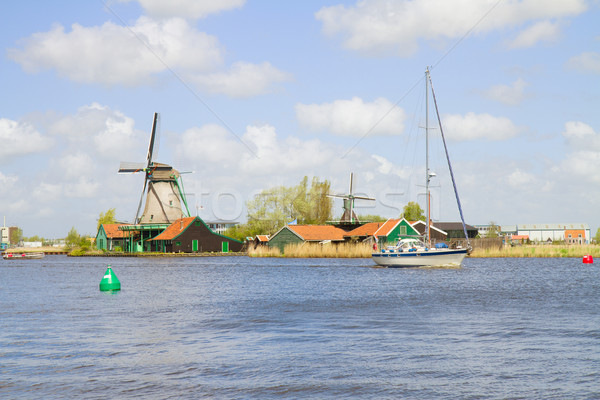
[{"x": 421, "y": 258}]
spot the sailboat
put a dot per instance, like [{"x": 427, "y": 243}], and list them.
[{"x": 417, "y": 252}]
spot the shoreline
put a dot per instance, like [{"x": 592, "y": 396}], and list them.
[{"x": 526, "y": 251}]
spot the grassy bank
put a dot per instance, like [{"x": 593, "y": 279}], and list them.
[
  {"x": 556, "y": 251},
  {"x": 45, "y": 249}
]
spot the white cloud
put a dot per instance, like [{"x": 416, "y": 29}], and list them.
[
  {"x": 82, "y": 188},
  {"x": 47, "y": 192},
  {"x": 543, "y": 31},
  {"x": 584, "y": 164},
  {"x": 114, "y": 55},
  {"x": 211, "y": 143},
  {"x": 242, "y": 80},
  {"x": 519, "y": 178},
  {"x": 109, "y": 132},
  {"x": 386, "y": 167},
  {"x": 478, "y": 126},
  {"x": 187, "y": 8},
  {"x": 7, "y": 182},
  {"x": 76, "y": 165},
  {"x": 582, "y": 136},
  {"x": 378, "y": 26},
  {"x": 353, "y": 117},
  {"x": 585, "y": 62},
  {"x": 20, "y": 138},
  {"x": 508, "y": 94},
  {"x": 284, "y": 155}
]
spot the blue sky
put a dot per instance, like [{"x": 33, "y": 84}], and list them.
[{"x": 254, "y": 94}]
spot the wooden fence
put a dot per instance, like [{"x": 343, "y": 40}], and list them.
[{"x": 479, "y": 243}]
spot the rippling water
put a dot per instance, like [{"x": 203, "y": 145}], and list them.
[{"x": 242, "y": 328}]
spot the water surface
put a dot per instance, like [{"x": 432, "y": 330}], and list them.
[{"x": 238, "y": 327}]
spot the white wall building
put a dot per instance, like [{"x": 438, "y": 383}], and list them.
[{"x": 553, "y": 232}]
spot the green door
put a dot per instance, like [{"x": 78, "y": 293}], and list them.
[
  {"x": 195, "y": 245},
  {"x": 225, "y": 247}
]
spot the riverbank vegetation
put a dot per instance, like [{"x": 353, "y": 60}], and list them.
[
  {"x": 315, "y": 250},
  {"x": 539, "y": 251},
  {"x": 362, "y": 250}
]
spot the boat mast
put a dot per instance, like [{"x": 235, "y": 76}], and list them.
[{"x": 427, "y": 177}]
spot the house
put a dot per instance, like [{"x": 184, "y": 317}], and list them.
[
  {"x": 455, "y": 230},
  {"x": 296, "y": 234},
  {"x": 394, "y": 230},
  {"x": 192, "y": 235},
  {"x": 363, "y": 233},
  {"x": 260, "y": 240},
  {"x": 518, "y": 239},
  {"x": 575, "y": 236},
  {"x": 109, "y": 237},
  {"x": 436, "y": 234},
  {"x": 386, "y": 232}
]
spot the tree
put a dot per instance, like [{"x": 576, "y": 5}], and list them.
[
  {"x": 371, "y": 218},
  {"x": 273, "y": 208},
  {"x": 413, "y": 212},
  {"x": 494, "y": 230},
  {"x": 106, "y": 218},
  {"x": 16, "y": 235},
  {"x": 597, "y": 237},
  {"x": 72, "y": 239}
]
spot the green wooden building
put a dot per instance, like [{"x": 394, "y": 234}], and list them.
[
  {"x": 296, "y": 234},
  {"x": 386, "y": 233}
]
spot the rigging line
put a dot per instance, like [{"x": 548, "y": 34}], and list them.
[
  {"x": 459, "y": 41},
  {"x": 437, "y": 112},
  {"x": 455, "y": 45},
  {"x": 179, "y": 78}
]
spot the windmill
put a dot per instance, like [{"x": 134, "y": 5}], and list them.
[
  {"x": 162, "y": 186},
  {"x": 349, "y": 217}
]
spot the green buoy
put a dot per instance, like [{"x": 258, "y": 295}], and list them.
[{"x": 110, "y": 281}]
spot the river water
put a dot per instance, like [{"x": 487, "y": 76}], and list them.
[{"x": 246, "y": 328}]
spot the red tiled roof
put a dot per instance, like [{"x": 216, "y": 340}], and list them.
[
  {"x": 175, "y": 229},
  {"x": 112, "y": 230},
  {"x": 367, "y": 229},
  {"x": 520, "y": 237},
  {"x": 262, "y": 238},
  {"x": 318, "y": 232},
  {"x": 385, "y": 229}
]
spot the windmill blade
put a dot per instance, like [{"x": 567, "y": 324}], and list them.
[
  {"x": 140, "y": 203},
  {"x": 339, "y": 196},
  {"x": 363, "y": 198},
  {"x": 351, "y": 179},
  {"x": 152, "y": 140},
  {"x": 130, "y": 167}
]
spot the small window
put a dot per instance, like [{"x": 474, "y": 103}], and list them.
[{"x": 177, "y": 243}]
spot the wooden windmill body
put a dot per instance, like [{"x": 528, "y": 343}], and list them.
[{"x": 165, "y": 200}]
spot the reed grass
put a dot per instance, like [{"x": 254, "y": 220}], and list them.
[
  {"x": 264, "y": 251},
  {"x": 315, "y": 250},
  {"x": 363, "y": 250},
  {"x": 543, "y": 251}
]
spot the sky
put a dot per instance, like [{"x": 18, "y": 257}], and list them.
[{"x": 257, "y": 94}]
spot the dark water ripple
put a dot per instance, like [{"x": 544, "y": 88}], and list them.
[{"x": 241, "y": 328}]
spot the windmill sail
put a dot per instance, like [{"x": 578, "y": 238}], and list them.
[
  {"x": 349, "y": 217},
  {"x": 162, "y": 189}
]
